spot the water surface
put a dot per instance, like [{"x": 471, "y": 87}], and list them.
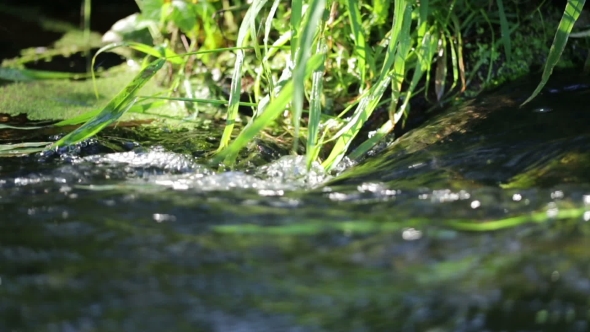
[{"x": 153, "y": 240}]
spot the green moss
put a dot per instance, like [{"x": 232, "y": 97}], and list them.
[
  {"x": 566, "y": 168},
  {"x": 61, "y": 99}
]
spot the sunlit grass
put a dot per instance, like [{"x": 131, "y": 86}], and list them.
[{"x": 303, "y": 57}]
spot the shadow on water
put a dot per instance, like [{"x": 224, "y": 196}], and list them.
[{"x": 146, "y": 239}]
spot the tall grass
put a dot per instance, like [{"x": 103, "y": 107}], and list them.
[
  {"x": 363, "y": 55},
  {"x": 377, "y": 69}
]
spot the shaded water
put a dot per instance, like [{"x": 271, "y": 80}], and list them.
[{"x": 151, "y": 240}]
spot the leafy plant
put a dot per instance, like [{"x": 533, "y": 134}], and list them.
[{"x": 319, "y": 69}]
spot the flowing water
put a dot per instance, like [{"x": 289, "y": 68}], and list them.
[{"x": 442, "y": 238}]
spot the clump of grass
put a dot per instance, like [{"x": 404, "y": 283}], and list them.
[{"x": 304, "y": 56}]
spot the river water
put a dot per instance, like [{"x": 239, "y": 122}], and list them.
[{"x": 153, "y": 240}]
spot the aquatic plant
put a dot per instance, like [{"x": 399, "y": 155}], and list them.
[{"x": 322, "y": 74}]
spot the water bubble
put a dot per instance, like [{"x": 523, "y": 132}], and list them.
[
  {"x": 411, "y": 234},
  {"x": 161, "y": 217},
  {"x": 552, "y": 210},
  {"x": 557, "y": 194}
]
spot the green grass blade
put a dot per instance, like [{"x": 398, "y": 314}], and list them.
[
  {"x": 367, "y": 105},
  {"x": 266, "y": 70},
  {"x": 310, "y": 25},
  {"x": 454, "y": 61},
  {"x": 315, "y": 108},
  {"x": 26, "y": 75},
  {"x": 89, "y": 115},
  {"x": 143, "y": 48},
  {"x": 229, "y": 154},
  {"x": 268, "y": 24},
  {"x": 495, "y": 225},
  {"x": 273, "y": 110},
  {"x": 459, "y": 46},
  {"x": 504, "y": 30},
  {"x": 380, "y": 10},
  {"x": 5, "y": 126},
  {"x": 494, "y": 42},
  {"x": 360, "y": 47},
  {"x": 425, "y": 55},
  {"x": 86, "y": 13},
  {"x": 377, "y": 136},
  {"x": 217, "y": 102},
  {"x": 13, "y": 147},
  {"x": 570, "y": 15},
  {"x": 399, "y": 68},
  {"x": 401, "y": 12},
  {"x": 296, "y": 17},
  {"x": 423, "y": 23},
  {"x": 115, "y": 108},
  {"x": 236, "y": 83},
  {"x": 15, "y": 150},
  {"x": 146, "y": 49},
  {"x": 440, "y": 78}
]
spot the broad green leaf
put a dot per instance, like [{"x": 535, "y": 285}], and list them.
[
  {"x": 184, "y": 15},
  {"x": 150, "y": 9}
]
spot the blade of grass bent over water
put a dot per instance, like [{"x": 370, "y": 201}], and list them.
[
  {"x": 570, "y": 16},
  {"x": 89, "y": 115},
  {"x": 115, "y": 108}
]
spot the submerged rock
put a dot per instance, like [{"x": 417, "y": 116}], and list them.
[{"x": 494, "y": 141}]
